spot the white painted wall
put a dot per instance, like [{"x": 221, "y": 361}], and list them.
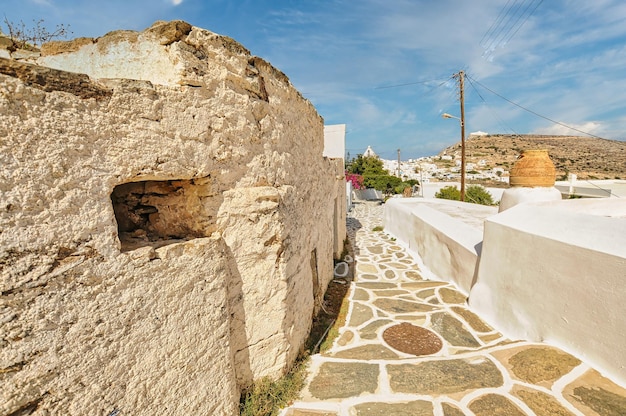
[
  {"x": 334, "y": 148},
  {"x": 335, "y": 141},
  {"x": 349, "y": 195},
  {"x": 556, "y": 272},
  {"x": 521, "y": 194},
  {"x": 448, "y": 247},
  {"x": 548, "y": 271},
  {"x": 611, "y": 188},
  {"x": 369, "y": 194}
]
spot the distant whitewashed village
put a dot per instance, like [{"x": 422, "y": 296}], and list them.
[
  {"x": 488, "y": 163},
  {"x": 424, "y": 169}
]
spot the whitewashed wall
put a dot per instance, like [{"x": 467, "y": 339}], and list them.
[
  {"x": 551, "y": 271},
  {"x": 556, "y": 272}
]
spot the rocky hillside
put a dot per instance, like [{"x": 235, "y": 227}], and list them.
[{"x": 587, "y": 157}]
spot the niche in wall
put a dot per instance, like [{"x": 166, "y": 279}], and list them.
[{"x": 156, "y": 213}]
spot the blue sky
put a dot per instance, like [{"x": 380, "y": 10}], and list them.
[{"x": 564, "y": 60}]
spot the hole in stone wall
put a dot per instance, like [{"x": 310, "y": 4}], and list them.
[{"x": 157, "y": 213}]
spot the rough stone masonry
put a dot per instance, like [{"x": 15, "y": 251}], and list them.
[{"x": 166, "y": 223}]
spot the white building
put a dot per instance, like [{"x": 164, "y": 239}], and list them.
[{"x": 369, "y": 152}]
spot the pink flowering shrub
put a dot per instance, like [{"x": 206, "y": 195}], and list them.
[{"x": 355, "y": 179}]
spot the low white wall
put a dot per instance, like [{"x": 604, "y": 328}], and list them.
[
  {"x": 604, "y": 188},
  {"x": 368, "y": 194},
  {"x": 522, "y": 194},
  {"x": 555, "y": 272},
  {"x": 550, "y": 271},
  {"x": 447, "y": 246},
  {"x": 599, "y": 207}
]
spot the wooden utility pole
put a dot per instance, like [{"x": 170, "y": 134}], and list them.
[
  {"x": 461, "y": 76},
  {"x": 398, "y": 163}
]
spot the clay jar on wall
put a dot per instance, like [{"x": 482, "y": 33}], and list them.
[{"x": 533, "y": 169}]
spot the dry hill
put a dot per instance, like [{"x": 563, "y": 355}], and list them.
[{"x": 587, "y": 157}]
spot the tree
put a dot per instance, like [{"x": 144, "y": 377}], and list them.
[
  {"x": 385, "y": 183},
  {"x": 367, "y": 165},
  {"x": 375, "y": 176}
]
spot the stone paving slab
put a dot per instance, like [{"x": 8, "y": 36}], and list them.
[{"x": 411, "y": 346}]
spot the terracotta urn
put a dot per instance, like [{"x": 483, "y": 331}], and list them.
[{"x": 533, "y": 169}]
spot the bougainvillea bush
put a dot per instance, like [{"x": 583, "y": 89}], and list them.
[{"x": 355, "y": 179}]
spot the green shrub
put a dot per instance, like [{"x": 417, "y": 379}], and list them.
[
  {"x": 449, "y": 192},
  {"x": 384, "y": 182},
  {"x": 475, "y": 194}
]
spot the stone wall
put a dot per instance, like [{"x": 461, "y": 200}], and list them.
[{"x": 166, "y": 223}]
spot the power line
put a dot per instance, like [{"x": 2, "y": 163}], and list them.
[
  {"x": 593, "y": 184},
  {"x": 440, "y": 85},
  {"x": 494, "y": 24},
  {"x": 522, "y": 24},
  {"x": 429, "y": 91},
  {"x": 494, "y": 42},
  {"x": 511, "y": 15},
  {"x": 534, "y": 112},
  {"x": 500, "y": 121},
  {"x": 411, "y": 83},
  {"x": 504, "y": 42}
]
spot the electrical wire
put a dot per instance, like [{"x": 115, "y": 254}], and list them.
[
  {"x": 505, "y": 32},
  {"x": 440, "y": 85},
  {"x": 504, "y": 38},
  {"x": 593, "y": 184},
  {"x": 471, "y": 81},
  {"x": 504, "y": 126},
  {"x": 534, "y": 112},
  {"x": 494, "y": 24},
  {"x": 494, "y": 40},
  {"x": 404, "y": 85},
  {"x": 522, "y": 24}
]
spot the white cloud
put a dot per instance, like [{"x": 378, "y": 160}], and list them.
[
  {"x": 176, "y": 2},
  {"x": 592, "y": 127}
]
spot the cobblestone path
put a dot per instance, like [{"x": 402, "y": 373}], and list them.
[{"x": 411, "y": 347}]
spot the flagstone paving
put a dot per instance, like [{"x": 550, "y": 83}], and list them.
[{"x": 411, "y": 346}]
